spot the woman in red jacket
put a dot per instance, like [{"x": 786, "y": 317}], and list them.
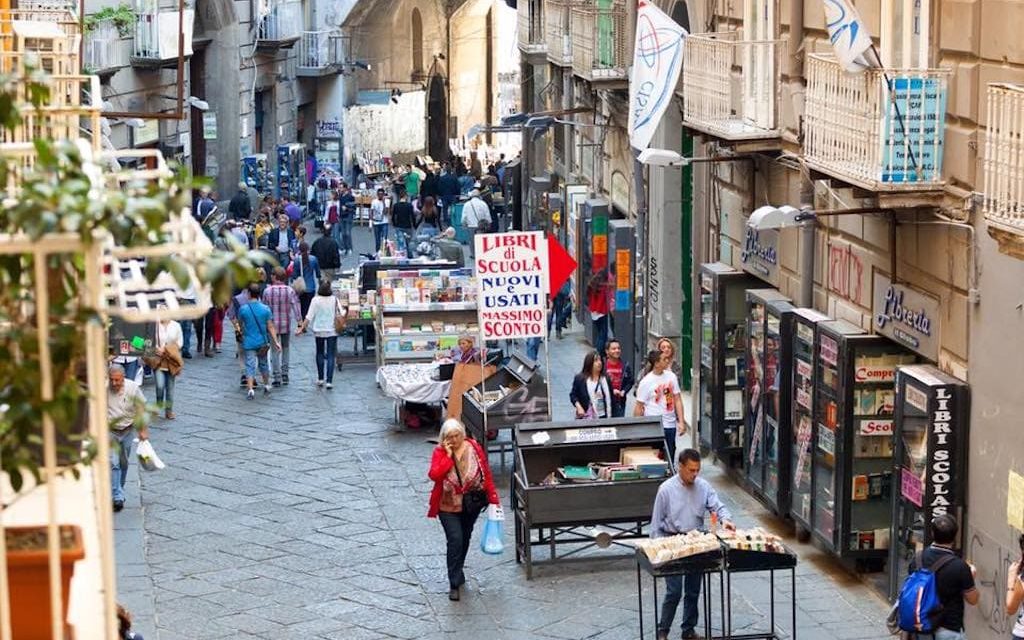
[{"x": 462, "y": 488}]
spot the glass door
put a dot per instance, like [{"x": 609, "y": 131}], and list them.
[
  {"x": 755, "y": 390},
  {"x": 770, "y": 405},
  {"x": 803, "y": 392},
  {"x": 911, "y": 466},
  {"x": 828, "y": 432}
]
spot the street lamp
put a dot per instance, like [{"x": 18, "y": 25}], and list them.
[
  {"x": 785, "y": 217},
  {"x": 668, "y": 158}
]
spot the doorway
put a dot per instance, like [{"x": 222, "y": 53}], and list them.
[
  {"x": 197, "y": 87},
  {"x": 437, "y": 119}
]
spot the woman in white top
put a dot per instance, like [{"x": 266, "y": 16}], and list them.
[
  {"x": 1015, "y": 592},
  {"x": 658, "y": 394},
  {"x": 590, "y": 394},
  {"x": 169, "y": 341},
  {"x": 322, "y": 311}
]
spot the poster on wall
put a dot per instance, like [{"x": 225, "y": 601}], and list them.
[{"x": 512, "y": 284}]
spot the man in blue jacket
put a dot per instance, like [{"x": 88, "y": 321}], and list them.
[{"x": 281, "y": 241}]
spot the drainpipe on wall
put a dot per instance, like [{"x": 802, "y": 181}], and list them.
[{"x": 808, "y": 233}]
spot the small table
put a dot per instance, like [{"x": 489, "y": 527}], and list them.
[{"x": 707, "y": 564}]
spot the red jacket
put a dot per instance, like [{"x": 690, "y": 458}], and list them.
[{"x": 441, "y": 463}]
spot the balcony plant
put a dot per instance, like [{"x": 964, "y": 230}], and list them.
[
  {"x": 122, "y": 17},
  {"x": 65, "y": 193}
]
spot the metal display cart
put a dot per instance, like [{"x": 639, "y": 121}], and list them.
[
  {"x": 767, "y": 395},
  {"x": 932, "y": 415},
  {"x": 566, "y": 513},
  {"x": 527, "y": 400},
  {"x": 723, "y": 563}
]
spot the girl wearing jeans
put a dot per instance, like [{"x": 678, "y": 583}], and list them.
[
  {"x": 169, "y": 341},
  {"x": 322, "y": 311}
]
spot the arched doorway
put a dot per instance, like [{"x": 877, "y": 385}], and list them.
[
  {"x": 437, "y": 118},
  {"x": 417, "y": 43}
]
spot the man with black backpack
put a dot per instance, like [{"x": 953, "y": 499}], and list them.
[{"x": 931, "y": 602}]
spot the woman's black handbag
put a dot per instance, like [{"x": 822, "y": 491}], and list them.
[{"x": 473, "y": 501}]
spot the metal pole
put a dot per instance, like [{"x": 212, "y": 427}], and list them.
[{"x": 807, "y": 240}]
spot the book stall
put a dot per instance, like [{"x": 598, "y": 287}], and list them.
[
  {"x": 720, "y": 553},
  {"x": 361, "y": 314},
  {"x": 570, "y": 477},
  {"x": 515, "y": 393}
]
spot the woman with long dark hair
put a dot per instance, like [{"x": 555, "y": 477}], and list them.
[
  {"x": 590, "y": 395},
  {"x": 322, "y": 312},
  {"x": 306, "y": 268}
]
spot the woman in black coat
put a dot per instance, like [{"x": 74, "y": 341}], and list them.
[{"x": 590, "y": 395}]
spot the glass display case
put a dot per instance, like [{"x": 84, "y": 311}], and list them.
[
  {"x": 930, "y": 461},
  {"x": 801, "y": 337},
  {"x": 723, "y": 321},
  {"x": 767, "y": 397},
  {"x": 853, "y": 441}
]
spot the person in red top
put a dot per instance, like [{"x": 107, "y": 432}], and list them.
[
  {"x": 463, "y": 486},
  {"x": 599, "y": 303},
  {"x": 620, "y": 377}
]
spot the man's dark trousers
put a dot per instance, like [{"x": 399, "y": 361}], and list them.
[{"x": 673, "y": 592}]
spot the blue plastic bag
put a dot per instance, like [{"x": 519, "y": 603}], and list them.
[{"x": 492, "y": 541}]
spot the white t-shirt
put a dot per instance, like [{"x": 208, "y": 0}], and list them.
[
  {"x": 475, "y": 213},
  {"x": 599, "y": 396},
  {"x": 658, "y": 394},
  {"x": 379, "y": 212}
]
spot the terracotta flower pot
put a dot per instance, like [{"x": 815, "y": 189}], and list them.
[{"x": 29, "y": 579}]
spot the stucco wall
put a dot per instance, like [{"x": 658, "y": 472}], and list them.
[{"x": 387, "y": 129}]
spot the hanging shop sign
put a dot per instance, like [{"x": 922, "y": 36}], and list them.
[
  {"x": 940, "y": 483},
  {"x": 760, "y": 254},
  {"x": 512, "y": 284},
  {"x": 209, "y": 125},
  {"x": 328, "y": 128},
  {"x": 906, "y": 316}
]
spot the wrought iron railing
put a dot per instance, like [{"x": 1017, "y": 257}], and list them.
[
  {"x": 730, "y": 86},
  {"x": 558, "y": 32},
  {"x": 283, "y": 22},
  {"x": 320, "y": 49},
  {"x": 599, "y": 40},
  {"x": 530, "y": 18},
  {"x": 105, "y": 48},
  {"x": 1004, "y": 157},
  {"x": 156, "y": 33},
  {"x": 881, "y": 129}
]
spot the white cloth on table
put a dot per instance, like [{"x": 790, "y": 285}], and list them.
[{"x": 412, "y": 383}]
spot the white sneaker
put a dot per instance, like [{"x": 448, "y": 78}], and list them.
[
  {"x": 251, "y": 394},
  {"x": 266, "y": 389},
  {"x": 330, "y": 386},
  {"x": 319, "y": 383}
]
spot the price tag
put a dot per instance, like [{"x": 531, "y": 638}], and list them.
[{"x": 593, "y": 434}]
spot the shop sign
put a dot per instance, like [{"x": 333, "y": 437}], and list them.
[
  {"x": 875, "y": 428},
  {"x": 512, "y": 284},
  {"x": 940, "y": 466},
  {"x": 593, "y": 434},
  {"x": 911, "y": 487},
  {"x": 209, "y": 125},
  {"x": 623, "y": 280},
  {"x": 328, "y": 128},
  {"x": 760, "y": 254},
  {"x": 906, "y": 316},
  {"x": 148, "y": 133},
  {"x": 874, "y": 373}
]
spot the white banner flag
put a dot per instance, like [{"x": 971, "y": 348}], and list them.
[
  {"x": 657, "y": 61},
  {"x": 849, "y": 37}
]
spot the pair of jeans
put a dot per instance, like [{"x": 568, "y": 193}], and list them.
[
  {"x": 304, "y": 300},
  {"x": 345, "y": 231},
  {"x": 673, "y": 593},
  {"x": 282, "y": 357},
  {"x": 533, "y": 348},
  {"x": 326, "y": 350},
  {"x": 670, "y": 442},
  {"x": 120, "y": 453},
  {"x": 943, "y": 633},
  {"x": 601, "y": 334},
  {"x": 380, "y": 233},
  {"x": 403, "y": 240},
  {"x": 164, "y": 389},
  {"x": 458, "y": 529},
  {"x": 254, "y": 361},
  {"x": 186, "y": 334}
]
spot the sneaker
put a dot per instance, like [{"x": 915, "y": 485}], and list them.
[
  {"x": 118, "y": 505},
  {"x": 284, "y": 379},
  {"x": 319, "y": 383},
  {"x": 250, "y": 394},
  {"x": 169, "y": 415},
  {"x": 266, "y": 389},
  {"x": 187, "y": 355},
  {"x": 277, "y": 383},
  {"x": 330, "y": 385},
  {"x": 689, "y": 635}
]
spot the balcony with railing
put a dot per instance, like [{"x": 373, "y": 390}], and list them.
[
  {"x": 1003, "y": 204},
  {"x": 600, "y": 40},
  {"x": 320, "y": 53},
  {"x": 105, "y": 50},
  {"x": 158, "y": 32},
  {"x": 558, "y": 31},
  {"x": 730, "y": 86},
  {"x": 530, "y": 18},
  {"x": 881, "y": 130},
  {"x": 280, "y": 27}
]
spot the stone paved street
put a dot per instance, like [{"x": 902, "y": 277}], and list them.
[{"x": 302, "y": 515}]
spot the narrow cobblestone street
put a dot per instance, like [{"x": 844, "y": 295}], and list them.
[{"x": 302, "y": 515}]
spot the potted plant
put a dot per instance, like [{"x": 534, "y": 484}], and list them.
[
  {"x": 65, "y": 193},
  {"x": 122, "y": 17}
]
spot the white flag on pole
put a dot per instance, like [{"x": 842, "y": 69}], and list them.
[
  {"x": 850, "y": 39},
  {"x": 657, "y": 61}
]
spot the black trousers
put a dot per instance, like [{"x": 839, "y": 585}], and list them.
[{"x": 458, "y": 529}]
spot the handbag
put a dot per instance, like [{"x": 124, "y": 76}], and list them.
[
  {"x": 473, "y": 501},
  {"x": 299, "y": 284},
  {"x": 340, "y": 318}
]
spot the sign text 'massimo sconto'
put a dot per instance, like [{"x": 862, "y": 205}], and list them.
[{"x": 512, "y": 277}]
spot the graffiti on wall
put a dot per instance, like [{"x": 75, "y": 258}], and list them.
[
  {"x": 992, "y": 562},
  {"x": 845, "y": 273}
]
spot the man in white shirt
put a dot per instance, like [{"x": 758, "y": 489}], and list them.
[
  {"x": 476, "y": 217},
  {"x": 380, "y": 218},
  {"x": 126, "y": 407}
]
